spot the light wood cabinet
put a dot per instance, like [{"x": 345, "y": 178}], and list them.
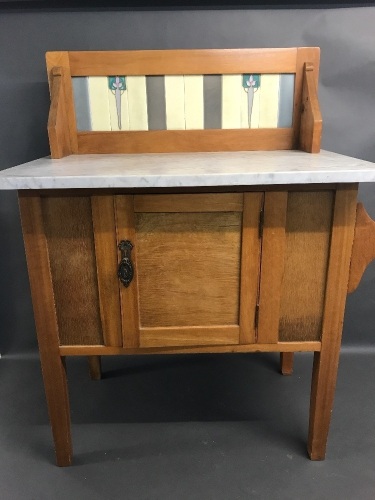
[
  {"x": 187, "y": 241},
  {"x": 206, "y": 269}
]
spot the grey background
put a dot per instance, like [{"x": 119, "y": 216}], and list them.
[{"x": 184, "y": 427}]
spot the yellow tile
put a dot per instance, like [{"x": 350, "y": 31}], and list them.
[
  {"x": 99, "y": 105},
  {"x": 269, "y": 101},
  {"x": 194, "y": 106},
  {"x": 231, "y": 101},
  {"x": 175, "y": 102},
  {"x": 137, "y": 102}
]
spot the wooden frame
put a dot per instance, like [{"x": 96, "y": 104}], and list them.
[
  {"x": 53, "y": 366},
  {"x": 303, "y": 62}
]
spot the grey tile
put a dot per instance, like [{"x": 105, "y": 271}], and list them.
[
  {"x": 81, "y": 102},
  {"x": 212, "y": 101},
  {"x": 286, "y": 100},
  {"x": 155, "y": 88}
]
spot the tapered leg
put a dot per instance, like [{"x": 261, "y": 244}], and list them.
[
  {"x": 326, "y": 361},
  {"x": 286, "y": 363},
  {"x": 322, "y": 395},
  {"x": 95, "y": 368},
  {"x": 53, "y": 366},
  {"x": 55, "y": 384}
]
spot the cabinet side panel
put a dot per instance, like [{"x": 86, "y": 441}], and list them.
[
  {"x": 308, "y": 230},
  {"x": 189, "y": 268},
  {"x": 69, "y": 233}
]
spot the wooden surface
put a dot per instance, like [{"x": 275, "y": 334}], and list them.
[
  {"x": 326, "y": 361},
  {"x": 58, "y": 127},
  {"x": 69, "y": 234},
  {"x": 310, "y": 55},
  {"x": 250, "y": 265},
  {"x": 116, "y": 351},
  {"x": 173, "y": 141},
  {"x": 125, "y": 226},
  {"x": 194, "y": 258},
  {"x": 61, "y": 59},
  {"x": 53, "y": 367},
  {"x": 106, "y": 252},
  {"x": 182, "y": 62},
  {"x": 286, "y": 363},
  {"x": 188, "y": 336},
  {"x": 311, "y": 118},
  {"x": 95, "y": 368},
  {"x": 272, "y": 266},
  {"x": 207, "y": 202},
  {"x": 363, "y": 247},
  {"x": 308, "y": 233}
]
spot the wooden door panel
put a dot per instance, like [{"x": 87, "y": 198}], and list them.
[
  {"x": 188, "y": 268},
  {"x": 196, "y": 260}
]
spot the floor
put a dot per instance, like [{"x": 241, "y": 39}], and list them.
[{"x": 188, "y": 427}]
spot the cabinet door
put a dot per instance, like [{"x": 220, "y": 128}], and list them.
[{"x": 195, "y": 261}]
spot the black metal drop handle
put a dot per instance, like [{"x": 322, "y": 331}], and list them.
[{"x": 125, "y": 268}]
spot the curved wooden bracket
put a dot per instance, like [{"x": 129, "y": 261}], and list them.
[
  {"x": 58, "y": 127},
  {"x": 363, "y": 247},
  {"x": 311, "y": 118}
]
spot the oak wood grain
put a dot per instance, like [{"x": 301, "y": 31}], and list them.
[
  {"x": 250, "y": 265},
  {"x": 116, "y": 351},
  {"x": 326, "y": 361},
  {"x": 311, "y": 118},
  {"x": 53, "y": 367},
  {"x": 272, "y": 266},
  {"x": 125, "y": 227},
  {"x": 188, "y": 268},
  {"x": 104, "y": 225},
  {"x": 224, "y": 202},
  {"x": 188, "y": 336},
  {"x": 310, "y": 55},
  {"x": 182, "y": 62},
  {"x": 61, "y": 59},
  {"x": 58, "y": 127},
  {"x": 308, "y": 234},
  {"x": 363, "y": 247},
  {"x": 69, "y": 234},
  {"x": 176, "y": 141}
]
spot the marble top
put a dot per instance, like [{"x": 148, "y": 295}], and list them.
[{"x": 159, "y": 170}]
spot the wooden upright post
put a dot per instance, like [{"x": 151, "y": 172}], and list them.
[
  {"x": 53, "y": 365},
  {"x": 326, "y": 361}
]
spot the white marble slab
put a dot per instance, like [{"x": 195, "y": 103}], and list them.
[{"x": 244, "y": 168}]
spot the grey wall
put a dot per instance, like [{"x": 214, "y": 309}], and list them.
[{"x": 347, "y": 96}]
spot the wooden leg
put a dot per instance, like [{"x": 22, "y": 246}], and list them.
[
  {"x": 55, "y": 383},
  {"x": 286, "y": 363},
  {"x": 326, "y": 361},
  {"x": 95, "y": 368},
  {"x": 322, "y": 395},
  {"x": 53, "y": 366}
]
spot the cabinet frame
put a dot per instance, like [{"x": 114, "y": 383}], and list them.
[{"x": 53, "y": 354}]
